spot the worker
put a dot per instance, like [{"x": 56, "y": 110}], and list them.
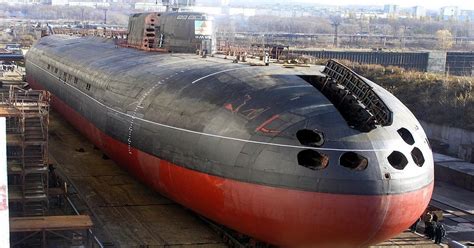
[
  {"x": 439, "y": 234},
  {"x": 266, "y": 60},
  {"x": 427, "y": 218},
  {"x": 430, "y": 225}
]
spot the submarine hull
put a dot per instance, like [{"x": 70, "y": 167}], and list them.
[
  {"x": 284, "y": 215},
  {"x": 278, "y": 219}
]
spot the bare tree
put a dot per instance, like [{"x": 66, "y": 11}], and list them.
[{"x": 444, "y": 38}]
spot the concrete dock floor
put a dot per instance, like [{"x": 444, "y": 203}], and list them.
[
  {"x": 458, "y": 211},
  {"x": 408, "y": 239}
]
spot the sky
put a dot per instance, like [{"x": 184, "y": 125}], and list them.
[{"x": 430, "y": 4}]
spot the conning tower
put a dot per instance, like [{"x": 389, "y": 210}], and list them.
[{"x": 177, "y": 32}]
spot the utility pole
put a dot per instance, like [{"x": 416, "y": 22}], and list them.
[
  {"x": 402, "y": 38},
  {"x": 335, "y": 22},
  {"x": 105, "y": 16}
]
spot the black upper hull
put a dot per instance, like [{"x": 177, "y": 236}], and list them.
[{"x": 230, "y": 120}]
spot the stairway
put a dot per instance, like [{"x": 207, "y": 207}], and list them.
[{"x": 34, "y": 129}]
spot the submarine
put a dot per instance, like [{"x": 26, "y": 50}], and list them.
[{"x": 292, "y": 156}]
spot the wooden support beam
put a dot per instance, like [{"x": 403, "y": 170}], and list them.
[{"x": 50, "y": 223}]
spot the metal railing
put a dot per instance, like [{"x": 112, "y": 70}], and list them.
[{"x": 355, "y": 86}]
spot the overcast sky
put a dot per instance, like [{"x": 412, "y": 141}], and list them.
[{"x": 429, "y": 4}]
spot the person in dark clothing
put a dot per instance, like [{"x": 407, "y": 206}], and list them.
[
  {"x": 430, "y": 229},
  {"x": 53, "y": 178},
  {"x": 427, "y": 218},
  {"x": 439, "y": 234}
]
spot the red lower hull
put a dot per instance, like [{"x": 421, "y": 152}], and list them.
[{"x": 278, "y": 216}]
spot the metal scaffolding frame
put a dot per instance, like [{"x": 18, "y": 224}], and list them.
[{"x": 27, "y": 117}]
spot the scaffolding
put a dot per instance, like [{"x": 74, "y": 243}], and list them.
[{"x": 27, "y": 120}]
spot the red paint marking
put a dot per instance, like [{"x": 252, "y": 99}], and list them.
[
  {"x": 3, "y": 198},
  {"x": 262, "y": 128},
  {"x": 278, "y": 216},
  {"x": 251, "y": 114},
  {"x": 229, "y": 107},
  {"x": 246, "y": 99}
]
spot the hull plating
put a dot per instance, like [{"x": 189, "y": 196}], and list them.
[
  {"x": 222, "y": 139},
  {"x": 279, "y": 216}
]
